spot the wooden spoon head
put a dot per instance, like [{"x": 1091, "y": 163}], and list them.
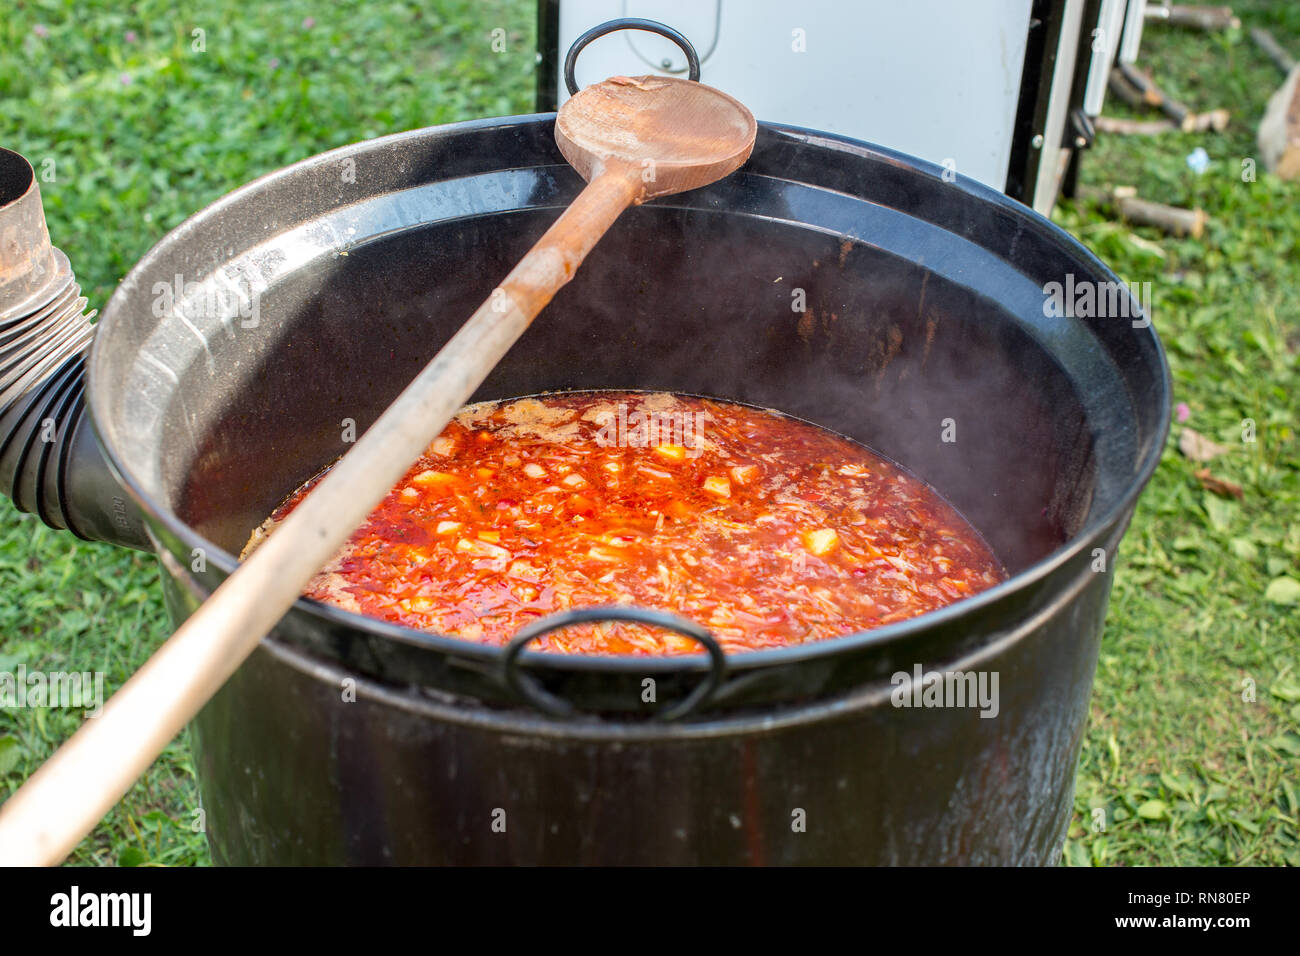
[{"x": 672, "y": 134}]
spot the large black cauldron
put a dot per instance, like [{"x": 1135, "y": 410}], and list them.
[{"x": 346, "y": 740}]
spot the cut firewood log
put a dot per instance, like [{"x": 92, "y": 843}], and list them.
[
  {"x": 1174, "y": 220},
  {"x": 1171, "y": 219},
  {"x": 1279, "y": 130},
  {"x": 1153, "y": 96},
  {"x": 1272, "y": 49},
  {"x": 1213, "y": 121},
  {"x": 1130, "y": 93},
  {"x": 1139, "y": 90},
  {"x": 1128, "y": 127},
  {"x": 1197, "y": 17}
]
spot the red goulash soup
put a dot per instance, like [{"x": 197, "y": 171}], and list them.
[{"x": 764, "y": 529}]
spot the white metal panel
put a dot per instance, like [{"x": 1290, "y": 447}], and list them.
[
  {"x": 1052, "y": 160},
  {"x": 1105, "y": 46},
  {"x": 1133, "y": 23},
  {"x": 699, "y": 21},
  {"x": 934, "y": 78}
]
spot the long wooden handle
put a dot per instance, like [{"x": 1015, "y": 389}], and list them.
[{"x": 46, "y": 817}]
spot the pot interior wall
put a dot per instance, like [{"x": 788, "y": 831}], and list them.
[{"x": 887, "y": 351}]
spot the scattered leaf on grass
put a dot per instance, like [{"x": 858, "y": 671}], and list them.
[
  {"x": 1199, "y": 448},
  {"x": 1244, "y": 548},
  {"x": 1283, "y": 590},
  {"x": 1287, "y": 743},
  {"x": 1153, "y": 810},
  {"x": 1077, "y": 854},
  {"x": 1219, "y": 511},
  {"x": 10, "y": 753},
  {"x": 1285, "y": 689},
  {"x": 1220, "y": 486},
  {"x": 1248, "y": 825},
  {"x": 1179, "y": 785}
]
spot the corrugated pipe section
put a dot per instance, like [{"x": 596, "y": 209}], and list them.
[{"x": 47, "y": 450}]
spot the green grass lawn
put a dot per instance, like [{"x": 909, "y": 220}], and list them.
[
  {"x": 1185, "y": 770},
  {"x": 143, "y": 130}
]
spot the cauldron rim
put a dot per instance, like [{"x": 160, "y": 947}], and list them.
[{"x": 1026, "y": 580}]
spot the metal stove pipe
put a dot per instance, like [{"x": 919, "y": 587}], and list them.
[{"x": 50, "y": 464}]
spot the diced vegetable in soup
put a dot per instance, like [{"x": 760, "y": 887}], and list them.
[{"x": 767, "y": 530}]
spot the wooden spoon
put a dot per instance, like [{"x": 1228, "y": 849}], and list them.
[{"x": 632, "y": 139}]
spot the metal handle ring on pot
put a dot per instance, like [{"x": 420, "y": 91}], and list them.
[
  {"x": 531, "y": 690},
  {"x": 629, "y": 23}
]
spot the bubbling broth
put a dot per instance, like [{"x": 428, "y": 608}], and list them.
[{"x": 765, "y": 529}]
